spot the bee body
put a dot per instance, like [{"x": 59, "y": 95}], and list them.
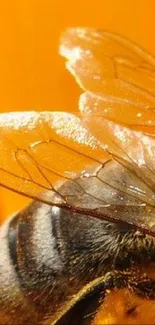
[
  {"x": 90, "y": 226},
  {"x": 46, "y": 260},
  {"x": 48, "y": 254}
]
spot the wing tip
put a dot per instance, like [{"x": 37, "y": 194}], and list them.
[{"x": 70, "y": 36}]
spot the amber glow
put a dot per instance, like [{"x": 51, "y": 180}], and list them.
[
  {"x": 122, "y": 306},
  {"x": 128, "y": 308},
  {"x": 33, "y": 76}
]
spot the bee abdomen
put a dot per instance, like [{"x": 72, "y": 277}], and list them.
[
  {"x": 29, "y": 265},
  {"x": 14, "y": 306}
]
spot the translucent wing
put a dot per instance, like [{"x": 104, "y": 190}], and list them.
[
  {"x": 53, "y": 158},
  {"x": 39, "y": 149},
  {"x": 117, "y": 75},
  {"x": 104, "y": 169},
  {"x": 117, "y": 107}
]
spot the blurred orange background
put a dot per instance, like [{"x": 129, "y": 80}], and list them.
[{"x": 32, "y": 74}]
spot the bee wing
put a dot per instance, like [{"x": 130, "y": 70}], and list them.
[
  {"x": 117, "y": 107},
  {"x": 39, "y": 149},
  {"x": 100, "y": 166},
  {"x": 51, "y": 157},
  {"x": 46, "y": 156},
  {"x": 117, "y": 75},
  {"x": 119, "y": 82},
  {"x": 110, "y": 66}
]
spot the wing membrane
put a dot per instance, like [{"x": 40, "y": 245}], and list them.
[
  {"x": 114, "y": 70},
  {"x": 43, "y": 150},
  {"x": 105, "y": 169},
  {"x": 39, "y": 149},
  {"x": 118, "y": 107},
  {"x": 124, "y": 126}
]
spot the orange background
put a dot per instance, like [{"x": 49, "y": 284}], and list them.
[{"x": 32, "y": 75}]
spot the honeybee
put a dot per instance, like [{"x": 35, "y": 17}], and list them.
[{"x": 89, "y": 231}]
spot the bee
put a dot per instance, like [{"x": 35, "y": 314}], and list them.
[{"x": 89, "y": 232}]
